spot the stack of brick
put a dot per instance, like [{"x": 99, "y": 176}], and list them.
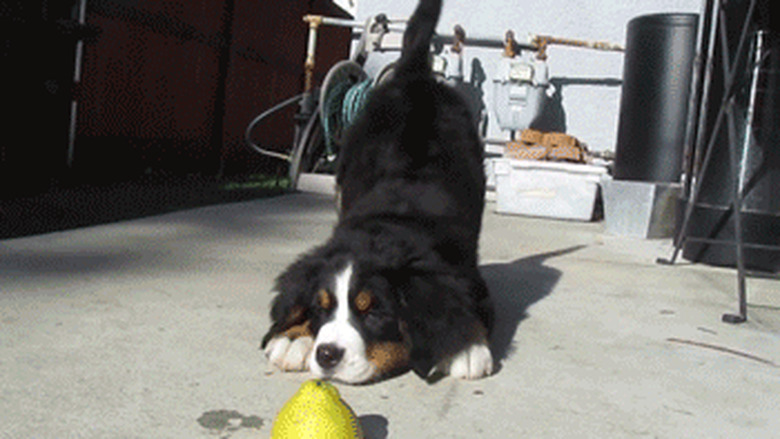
[{"x": 537, "y": 145}]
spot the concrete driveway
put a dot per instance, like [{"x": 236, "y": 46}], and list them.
[{"x": 150, "y": 329}]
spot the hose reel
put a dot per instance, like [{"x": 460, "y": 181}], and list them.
[{"x": 344, "y": 92}]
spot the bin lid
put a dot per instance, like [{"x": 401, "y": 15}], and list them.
[{"x": 505, "y": 164}]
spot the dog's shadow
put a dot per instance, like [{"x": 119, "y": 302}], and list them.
[{"x": 514, "y": 287}]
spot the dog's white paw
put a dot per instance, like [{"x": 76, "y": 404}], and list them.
[
  {"x": 289, "y": 355},
  {"x": 472, "y": 363}
]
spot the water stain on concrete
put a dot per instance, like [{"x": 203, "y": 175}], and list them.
[{"x": 228, "y": 420}]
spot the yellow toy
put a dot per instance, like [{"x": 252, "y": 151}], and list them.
[{"x": 316, "y": 411}]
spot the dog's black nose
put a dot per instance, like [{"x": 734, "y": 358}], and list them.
[{"x": 329, "y": 355}]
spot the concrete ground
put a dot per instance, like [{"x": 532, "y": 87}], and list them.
[{"x": 150, "y": 329}]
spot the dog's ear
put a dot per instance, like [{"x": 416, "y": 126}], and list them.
[
  {"x": 440, "y": 318},
  {"x": 294, "y": 291}
]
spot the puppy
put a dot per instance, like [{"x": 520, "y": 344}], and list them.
[{"x": 396, "y": 287}]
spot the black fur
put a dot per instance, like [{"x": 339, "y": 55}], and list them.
[{"x": 413, "y": 186}]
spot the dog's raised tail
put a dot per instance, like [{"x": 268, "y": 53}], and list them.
[{"x": 417, "y": 39}]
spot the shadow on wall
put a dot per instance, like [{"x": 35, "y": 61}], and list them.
[
  {"x": 553, "y": 115},
  {"x": 514, "y": 287},
  {"x": 474, "y": 93}
]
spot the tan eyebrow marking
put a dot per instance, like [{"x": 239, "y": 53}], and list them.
[
  {"x": 363, "y": 301},
  {"x": 324, "y": 299}
]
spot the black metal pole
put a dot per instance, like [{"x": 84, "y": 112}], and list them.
[
  {"x": 730, "y": 72},
  {"x": 225, "y": 55}
]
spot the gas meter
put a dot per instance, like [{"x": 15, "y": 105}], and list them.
[{"x": 519, "y": 92}]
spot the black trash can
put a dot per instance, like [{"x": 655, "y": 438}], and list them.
[{"x": 657, "y": 71}]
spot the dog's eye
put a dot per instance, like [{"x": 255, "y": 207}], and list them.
[
  {"x": 324, "y": 300},
  {"x": 364, "y": 300}
]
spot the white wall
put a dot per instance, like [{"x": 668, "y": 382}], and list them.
[{"x": 590, "y": 95}]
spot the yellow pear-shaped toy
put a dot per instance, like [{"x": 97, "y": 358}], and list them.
[{"x": 316, "y": 411}]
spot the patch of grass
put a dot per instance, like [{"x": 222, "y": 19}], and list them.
[{"x": 257, "y": 181}]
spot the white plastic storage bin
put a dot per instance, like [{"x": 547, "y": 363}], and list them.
[{"x": 547, "y": 189}]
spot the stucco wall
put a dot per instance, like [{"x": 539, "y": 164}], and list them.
[{"x": 588, "y": 81}]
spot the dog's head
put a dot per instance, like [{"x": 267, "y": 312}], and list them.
[
  {"x": 371, "y": 320},
  {"x": 350, "y": 310}
]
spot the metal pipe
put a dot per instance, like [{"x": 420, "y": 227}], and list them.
[
  {"x": 537, "y": 43},
  {"x": 314, "y": 22},
  {"x": 82, "y": 12},
  {"x": 541, "y": 42},
  {"x": 343, "y": 22},
  {"x": 694, "y": 101},
  {"x": 739, "y": 186},
  {"x": 479, "y": 41},
  {"x": 747, "y": 141}
]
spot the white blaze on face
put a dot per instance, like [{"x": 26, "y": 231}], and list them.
[{"x": 340, "y": 333}]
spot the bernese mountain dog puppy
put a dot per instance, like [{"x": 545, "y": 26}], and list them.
[{"x": 396, "y": 287}]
